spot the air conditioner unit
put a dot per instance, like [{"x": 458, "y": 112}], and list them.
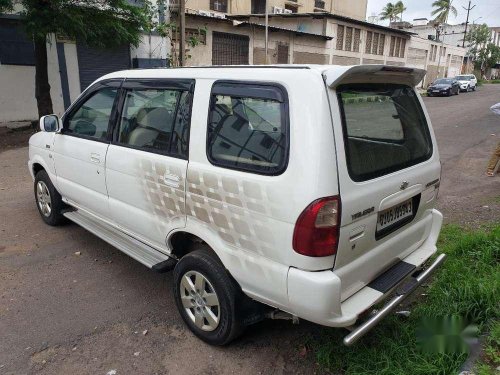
[
  {"x": 204, "y": 13},
  {"x": 278, "y": 10},
  {"x": 287, "y": 11},
  {"x": 219, "y": 15}
]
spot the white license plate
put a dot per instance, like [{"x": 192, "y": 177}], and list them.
[
  {"x": 436, "y": 91},
  {"x": 394, "y": 214}
]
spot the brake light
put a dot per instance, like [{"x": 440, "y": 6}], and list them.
[{"x": 316, "y": 231}]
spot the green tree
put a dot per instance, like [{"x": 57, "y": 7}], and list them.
[
  {"x": 99, "y": 23},
  {"x": 442, "y": 10},
  {"x": 400, "y": 8},
  {"x": 484, "y": 53},
  {"x": 389, "y": 12}
]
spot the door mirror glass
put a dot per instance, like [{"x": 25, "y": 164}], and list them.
[{"x": 49, "y": 123}]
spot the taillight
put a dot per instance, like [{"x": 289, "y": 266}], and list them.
[{"x": 316, "y": 232}]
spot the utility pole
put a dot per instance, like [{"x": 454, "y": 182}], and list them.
[
  {"x": 468, "y": 9},
  {"x": 267, "y": 34},
  {"x": 182, "y": 36}
]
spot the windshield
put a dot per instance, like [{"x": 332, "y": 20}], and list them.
[
  {"x": 443, "y": 81},
  {"x": 463, "y": 78},
  {"x": 385, "y": 129}
]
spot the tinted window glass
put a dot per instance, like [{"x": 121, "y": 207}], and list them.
[
  {"x": 91, "y": 119},
  {"x": 384, "y": 129},
  {"x": 248, "y": 133},
  {"x": 147, "y": 120}
]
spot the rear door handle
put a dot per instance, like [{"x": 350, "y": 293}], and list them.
[
  {"x": 171, "y": 180},
  {"x": 95, "y": 158}
]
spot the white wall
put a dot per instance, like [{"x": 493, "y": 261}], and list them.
[{"x": 17, "y": 89}]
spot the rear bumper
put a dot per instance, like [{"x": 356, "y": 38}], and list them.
[{"x": 316, "y": 296}]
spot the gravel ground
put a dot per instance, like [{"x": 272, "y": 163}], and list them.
[{"x": 62, "y": 313}]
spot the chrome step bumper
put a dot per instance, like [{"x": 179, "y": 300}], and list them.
[{"x": 402, "y": 292}]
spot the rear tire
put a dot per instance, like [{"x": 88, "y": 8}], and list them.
[
  {"x": 207, "y": 297},
  {"x": 48, "y": 200}
]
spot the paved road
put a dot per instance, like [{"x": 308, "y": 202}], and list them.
[{"x": 62, "y": 313}]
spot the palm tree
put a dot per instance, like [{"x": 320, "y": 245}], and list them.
[
  {"x": 400, "y": 8},
  {"x": 442, "y": 10},
  {"x": 389, "y": 12}
]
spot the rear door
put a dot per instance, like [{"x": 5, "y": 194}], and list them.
[
  {"x": 388, "y": 168},
  {"x": 147, "y": 160}
]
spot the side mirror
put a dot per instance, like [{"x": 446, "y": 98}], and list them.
[{"x": 50, "y": 123}]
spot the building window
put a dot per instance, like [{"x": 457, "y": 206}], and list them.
[
  {"x": 218, "y": 5},
  {"x": 381, "y": 44},
  {"x": 397, "y": 48},
  {"x": 199, "y": 34},
  {"x": 16, "y": 48},
  {"x": 319, "y": 4},
  {"x": 292, "y": 8},
  {"x": 357, "y": 39},
  {"x": 402, "y": 49},
  {"x": 348, "y": 38},
  {"x": 391, "y": 48},
  {"x": 258, "y": 6},
  {"x": 340, "y": 37},
  {"x": 369, "y": 38},
  {"x": 375, "y": 43},
  {"x": 282, "y": 53}
]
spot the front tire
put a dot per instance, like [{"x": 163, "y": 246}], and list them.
[
  {"x": 48, "y": 200},
  {"x": 207, "y": 297}
]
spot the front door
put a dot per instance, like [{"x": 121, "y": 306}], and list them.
[
  {"x": 80, "y": 149},
  {"x": 147, "y": 161}
]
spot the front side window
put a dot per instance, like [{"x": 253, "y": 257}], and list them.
[
  {"x": 155, "y": 120},
  {"x": 385, "y": 129},
  {"x": 248, "y": 128},
  {"x": 91, "y": 119}
]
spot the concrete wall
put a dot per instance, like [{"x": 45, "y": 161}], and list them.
[{"x": 17, "y": 89}]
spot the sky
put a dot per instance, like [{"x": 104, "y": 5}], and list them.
[{"x": 488, "y": 10}]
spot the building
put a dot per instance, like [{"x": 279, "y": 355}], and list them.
[
  {"x": 229, "y": 32},
  {"x": 353, "y": 9}
]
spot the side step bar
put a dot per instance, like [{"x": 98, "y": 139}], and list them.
[
  {"x": 401, "y": 293},
  {"x": 141, "y": 252}
]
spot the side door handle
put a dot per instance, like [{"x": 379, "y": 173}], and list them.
[
  {"x": 95, "y": 158},
  {"x": 172, "y": 180}
]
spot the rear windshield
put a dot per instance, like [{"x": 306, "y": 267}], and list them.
[
  {"x": 463, "y": 78},
  {"x": 384, "y": 129}
]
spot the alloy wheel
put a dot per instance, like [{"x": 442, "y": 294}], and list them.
[
  {"x": 43, "y": 198},
  {"x": 200, "y": 300}
]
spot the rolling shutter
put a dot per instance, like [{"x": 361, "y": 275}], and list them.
[{"x": 94, "y": 63}]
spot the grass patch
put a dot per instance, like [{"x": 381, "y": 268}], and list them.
[{"x": 467, "y": 285}]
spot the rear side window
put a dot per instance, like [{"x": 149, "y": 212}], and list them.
[
  {"x": 385, "y": 129},
  {"x": 248, "y": 127}
]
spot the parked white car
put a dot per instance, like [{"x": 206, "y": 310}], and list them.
[
  {"x": 282, "y": 192},
  {"x": 468, "y": 82}
]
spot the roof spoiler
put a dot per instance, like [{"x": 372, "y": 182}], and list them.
[{"x": 339, "y": 74}]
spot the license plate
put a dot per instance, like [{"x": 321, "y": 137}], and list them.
[
  {"x": 436, "y": 91},
  {"x": 395, "y": 214}
]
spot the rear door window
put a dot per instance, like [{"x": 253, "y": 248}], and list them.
[
  {"x": 248, "y": 127},
  {"x": 385, "y": 129}
]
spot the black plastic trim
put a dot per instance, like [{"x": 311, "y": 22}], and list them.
[{"x": 392, "y": 277}]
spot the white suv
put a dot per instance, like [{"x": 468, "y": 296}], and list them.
[
  {"x": 283, "y": 192},
  {"x": 468, "y": 82}
]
